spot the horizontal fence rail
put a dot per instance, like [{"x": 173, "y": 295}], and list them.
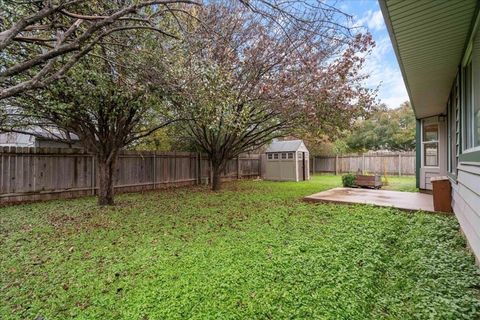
[
  {"x": 390, "y": 163},
  {"x": 30, "y": 174}
]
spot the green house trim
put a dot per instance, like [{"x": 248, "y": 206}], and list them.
[
  {"x": 418, "y": 159},
  {"x": 473, "y": 156}
]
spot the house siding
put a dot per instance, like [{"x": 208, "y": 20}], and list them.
[
  {"x": 466, "y": 203},
  {"x": 430, "y": 69}
]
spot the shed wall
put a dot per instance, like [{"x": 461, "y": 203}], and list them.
[{"x": 280, "y": 170}]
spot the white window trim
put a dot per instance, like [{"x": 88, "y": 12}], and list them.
[
  {"x": 470, "y": 150},
  {"x": 423, "y": 142}
]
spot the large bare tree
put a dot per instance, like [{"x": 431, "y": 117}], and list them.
[{"x": 255, "y": 78}]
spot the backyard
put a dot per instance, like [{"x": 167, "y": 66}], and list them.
[{"x": 254, "y": 250}]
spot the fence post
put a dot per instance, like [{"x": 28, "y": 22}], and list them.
[
  {"x": 198, "y": 168},
  {"x": 399, "y": 164},
  {"x": 154, "y": 169},
  {"x": 210, "y": 174},
  {"x": 336, "y": 165},
  {"x": 93, "y": 175},
  {"x": 238, "y": 167},
  {"x": 260, "y": 166},
  {"x": 363, "y": 163},
  {"x": 35, "y": 164},
  {"x": 175, "y": 167}
]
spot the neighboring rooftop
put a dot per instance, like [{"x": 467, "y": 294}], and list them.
[{"x": 38, "y": 137}]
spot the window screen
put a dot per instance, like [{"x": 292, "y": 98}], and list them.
[{"x": 430, "y": 145}]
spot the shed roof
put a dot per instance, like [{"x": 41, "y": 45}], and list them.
[{"x": 287, "y": 146}]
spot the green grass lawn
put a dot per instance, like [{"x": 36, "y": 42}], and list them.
[
  {"x": 400, "y": 184},
  {"x": 252, "y": 251}
]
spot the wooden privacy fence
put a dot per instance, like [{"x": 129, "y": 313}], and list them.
[
  {"x": 48, "y": 173},
  {"x": 400, "y": 163}
]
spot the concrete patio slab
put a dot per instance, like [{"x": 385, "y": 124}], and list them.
[{"x": 409, "y": 201}]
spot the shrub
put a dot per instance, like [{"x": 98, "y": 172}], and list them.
[{"x": 348, "y": 180}]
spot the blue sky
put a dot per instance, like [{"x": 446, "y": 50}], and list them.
[{"x": 381, "y": 64}]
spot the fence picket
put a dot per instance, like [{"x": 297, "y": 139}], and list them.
[
  {"x": 392, "y": 163},
  {"x": 48, "y": 173}
]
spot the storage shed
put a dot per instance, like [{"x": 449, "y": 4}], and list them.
[{"x": 287, "y": 161}]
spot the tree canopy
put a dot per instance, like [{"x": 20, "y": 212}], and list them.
[
  {"x": 385, "y": 129},
  {"x": 105, "y": 100},
  {"x": 41, "y": 41},
  {"x": 254, "y": 79},
  {"x": 236, "y": 73}
]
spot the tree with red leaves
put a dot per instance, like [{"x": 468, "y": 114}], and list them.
[{"x": 255, "y": 78}]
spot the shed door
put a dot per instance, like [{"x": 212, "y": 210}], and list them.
[
  {"x": 304, "y": 167},
  {"x": 301, "y": 166}
]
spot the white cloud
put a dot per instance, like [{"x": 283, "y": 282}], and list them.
[
  {"x": 376, "y": 22},
  {"x": 384, "y": 73},
  {"x": 381, "y": 65},
  {"x": 373, "y": 20}
]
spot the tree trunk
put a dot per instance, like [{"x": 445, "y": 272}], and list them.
[
  {"x": 106, "y": 170},
  {"x": 216, "y": 180}
]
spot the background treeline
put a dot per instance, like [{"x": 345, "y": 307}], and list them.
[{"x": 384, "y": 129}]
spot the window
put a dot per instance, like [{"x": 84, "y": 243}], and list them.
[
  {"x": 449, "y": 135},
  {"x": 275, "y": 156},
  {"x": 290, "y": 155},
  {"x": 467, "y": 106},
  {"x": 430, "y": 145},
  {"x": 474, "y": 112},
  {"x": 472, "y": 97},
  {"x": 300, "y": 155},
  {"x": 270, "y": 156},
  {"x": 453, "y": 131},
  {"x": 284, "y": 156}
]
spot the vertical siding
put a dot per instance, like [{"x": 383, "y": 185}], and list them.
[
  {"x": 280, "y": 170},
  {"x": 391, "y": 163},
  {"x": 466, "y": 204}
]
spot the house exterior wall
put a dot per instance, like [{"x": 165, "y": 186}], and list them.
[
  {"x": 13, "y": 139},
  {"x": 428, "y": 172},
  {"x": 466, "y": 203},
  {"x": 463, "y": 150},
  {"x": 56, "y": 144},
  {"x": 441, "y": 69}
]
